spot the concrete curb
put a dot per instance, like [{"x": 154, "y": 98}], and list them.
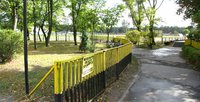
[{"x": 135, "y": 79}]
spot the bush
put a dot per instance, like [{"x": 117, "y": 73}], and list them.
[
  {"x": 195, "y": 35},
  {"x": 134, "y": 36},
  {"x": 11, "y": 43},
  {"x": 192, "y": 54},
  {"x": 86, "y": 44},
  {"x": 84, "y": 39},
  {"x": 90, "y": 46}
]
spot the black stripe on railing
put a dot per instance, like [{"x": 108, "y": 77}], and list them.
[{"x": 92, "y": 87}]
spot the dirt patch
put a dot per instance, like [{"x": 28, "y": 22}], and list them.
[{"x": 118, "y": 88}]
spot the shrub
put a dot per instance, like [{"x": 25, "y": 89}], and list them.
[
  {"x": 91, "y": 46},
  {"x": 192, "y": 54},
  {"x": 11, "y": 43},
  {"x": 86, "y": 44},
  {"x": 84, "y": 39},
  {"x": 134, "y": 36},
  {"x": 195, "y": 35}
]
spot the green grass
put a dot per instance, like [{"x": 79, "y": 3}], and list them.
[
  {"x": 40, "y": 61},
  {"x": 12, "y": 84},
  {"x": 55, "y": 47}
]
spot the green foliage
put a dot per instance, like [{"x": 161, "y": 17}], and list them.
[
  {"x": 136, "y": 12},
  {"x": 194, "y": 35},
  {"x": 110, "y": 17},
  {"x": 186, "y": 31},
  {"x": 188, "y": 7},
  {"x": 145, "y": 38},
  {"x": 192, "y": 54},
  {"x": 86, "y": 44},
  {"x": 91, "y": 46},
  {"x": 10, "y": 13},
  {"x": 134, "y": 36},
  {"x": 84, "y": 39},
  {"x": 11, "y": 43},
  {"x": 150, "y": 12}
]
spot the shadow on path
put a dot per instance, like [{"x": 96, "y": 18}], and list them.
[{"x": 165, "y": 77}]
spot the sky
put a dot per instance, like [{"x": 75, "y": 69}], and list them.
[{"x": 167, "y": 13}]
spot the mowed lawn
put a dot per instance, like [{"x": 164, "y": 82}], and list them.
[{"x": 40, "y": 61}]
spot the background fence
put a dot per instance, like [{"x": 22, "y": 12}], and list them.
[
  {"x": 81, "y": 79},
  {"x": 195, "y": 44}
]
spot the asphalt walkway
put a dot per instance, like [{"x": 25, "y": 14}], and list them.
[{"x": 165, "y": 77}]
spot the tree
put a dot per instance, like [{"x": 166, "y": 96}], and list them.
[
  {"x": 124, "y": 27},
  {"x": 10, "y": 13},
  {"x": 110, "y": 18},
  {"x": 76, "y": 7},
  {"x": 86, "y": 23},
  {"x": 150, "y": 12},
  {"x": 93, "y": 16},
  {"x": 46, "y": 18},
  {"x": 191, "y": 9},
  {"x": 35, "y": 24},
  {"x": 186, "y": 31},
  {"x": 188, "y": 7},
  {"x": 134, "y": 36},
  {"x": 136, "y": 12}
]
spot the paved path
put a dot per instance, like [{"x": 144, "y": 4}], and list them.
[{"x": 165, "y": 77}]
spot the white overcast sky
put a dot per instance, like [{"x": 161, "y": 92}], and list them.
[{"x": 167, "y": 13}]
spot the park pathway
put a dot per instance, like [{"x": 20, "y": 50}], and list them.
[{"x": 165, "y": 77}]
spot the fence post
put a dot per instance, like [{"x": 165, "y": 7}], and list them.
[
  {"x": 104, "y": 71},
  {"x": 117, "y": 64},
  {"x": 58, "y": 82}
]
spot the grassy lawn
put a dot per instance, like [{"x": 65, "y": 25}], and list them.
[{"x": 40, "y": 61}]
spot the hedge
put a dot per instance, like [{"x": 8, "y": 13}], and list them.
[
  {"x": 10, "y": 43},
  {"x": 192, "y": 54}
]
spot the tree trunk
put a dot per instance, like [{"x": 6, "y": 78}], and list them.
[
  {"x": 14, "y": 17},
  {"x": 44, "y": 34},
  {"x": 108, "y": 34},
  {"x": 93, "y": 33},
  {"x": 108, "y": 37},
  {"x": 65, "y": 36},
  {"x": 28, "y": 34},
  {"x": 50, "y": 21},
  {"x": 74, "y": 24},
  {"x": 56, "y": 35},
  {"x": 34, "y": 27},
  {"x": 34, "y": 33},
  {"x": 139, "y": 28},
  {"x": 75, "y": 34},
  {"x": 15, "y": 21},
  {"x": 39, "y": 35}
]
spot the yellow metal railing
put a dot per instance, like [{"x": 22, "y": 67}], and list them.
[
  {"x": 80, "y": 69},
  {"x": 69, "y": 73},
  {"x": 193, "y": 43},
  {"x": 42, "y": 80}
]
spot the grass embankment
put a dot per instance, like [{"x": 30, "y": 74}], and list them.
[
  {"x": 40, "y": 61},
  {"x": 192, "y": 55}
]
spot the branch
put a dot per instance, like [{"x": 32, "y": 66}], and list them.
[
  {"x": 150, "y": 3},
  {"x": 145, "y": 11},
  {"x": 160, "y": 5}
]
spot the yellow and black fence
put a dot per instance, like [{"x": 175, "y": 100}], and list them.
[
  {"x": 193, "y": 43},
  {"x": 82, "y": 78}
]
